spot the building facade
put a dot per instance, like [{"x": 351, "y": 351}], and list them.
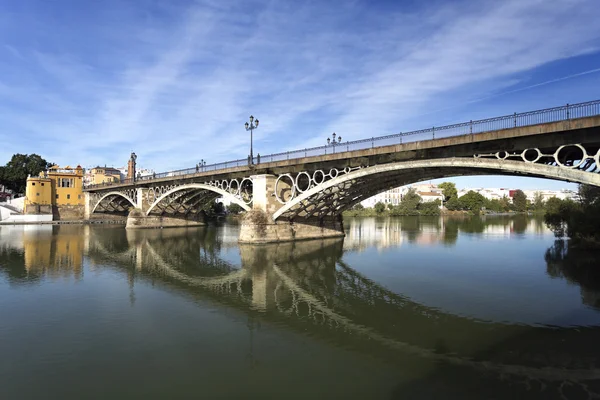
[{"x": 54, "y": 188}]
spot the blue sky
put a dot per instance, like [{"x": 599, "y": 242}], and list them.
[{"x": 86, "y": 82}]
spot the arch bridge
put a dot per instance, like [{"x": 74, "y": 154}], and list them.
[{"x": 301, "y": 194}]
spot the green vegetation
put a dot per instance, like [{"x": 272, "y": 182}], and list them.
[
  {"x": 449, "y": 191},
  {"x": 14, "y": 174},
  {"x": 578, "y": 221},
  {"x": 411, "y": 204},
  {"x": 234, "y": 208}
]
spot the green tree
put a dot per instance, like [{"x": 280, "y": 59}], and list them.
[
  {"x": 14, "y": 174},
  {"x": 408, "y": 205},
  {"x": 520, "y": 201},
  {"x": 472, "y": 201},
  {"x": 449, "y": 190},
  {"x": 430, "y": 207},
  {"x": 578, "y": 221},
  {"x": 234, "y": 208},
  {"x": 358, "y": 207},
  {"x": 505, "y": 203},
  {"x": 494, "y": 205},
  {"x": 453, "y": 204},
  {"x": 538, "y": 201},
  {"x": 379, "y": 207}
]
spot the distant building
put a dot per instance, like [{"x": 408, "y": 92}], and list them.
[
  {"x": 427, "y": 191},
  {"x": 104, "y": 174},
  {"x": 55, "y": 187}
]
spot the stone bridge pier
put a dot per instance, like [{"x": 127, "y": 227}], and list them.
[{"x": 262, "y": 225}]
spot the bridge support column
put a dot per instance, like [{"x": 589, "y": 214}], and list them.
[
  {"x": 142, "y": 199},
  {"x": 258, "y": 225},
  {"x": 87, "y": 206}
]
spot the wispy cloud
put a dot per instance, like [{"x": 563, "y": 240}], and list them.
[{"x": 175, "y": 82}]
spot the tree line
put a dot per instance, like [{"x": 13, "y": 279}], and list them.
[
  {"x": 471, "y": 202},
  {"x": 576, "y": 220},
  {"x": 475, "y": 202}
]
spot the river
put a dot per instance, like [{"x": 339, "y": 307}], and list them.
[{"x": 401, "y": 308}]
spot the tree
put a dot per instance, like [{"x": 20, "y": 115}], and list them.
[
  {"x": 472, "y": 201},
  {"x": 505, "y": 203},
  {"x": 358, "y": 207},
  {"x": 449, "y": 190},
  {"x": 379, "y": 207},
  {"x": 408, "y": 205},
  {"x": 578, "y": 221},
  {"x": 520, "y": 201},
  {"x": 494, "y": 205},
  {"x": 217, "y": 208},
  {"x": 453, "y": 204},
  {"x": 411, "y": 199},
  {"x": 538, "y": 201},
  {"x": 14, "y": 174},
  {"x": 234, "y": 208},
  {"x": 430, "y": 207}
]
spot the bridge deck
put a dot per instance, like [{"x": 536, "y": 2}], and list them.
[{"x": 545, "y": 135}]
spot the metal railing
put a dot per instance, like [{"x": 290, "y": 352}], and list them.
[{"x": 554, "y": 114}]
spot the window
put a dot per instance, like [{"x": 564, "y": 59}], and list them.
[
  {"x": 42, "y": 183},
  {"x": 32, "y": 183},
  {"x": 66, "y": 182},
  {"x": 37, "y": 194},
  {"x": 79, "y": 196},
  {"x": 68, "y": 196},
  {"x": 57, "y": 196}
]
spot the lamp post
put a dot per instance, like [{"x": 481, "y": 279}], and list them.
[
  {"x": 251, "y": 127},
  {"x": 333, "y": 142}
]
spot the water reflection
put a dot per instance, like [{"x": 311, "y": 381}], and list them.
[
  {"x": 577, "y": 266},
  {"x": 309, "y": 288},
  {"x": 383, "y": 232},
  {"x": 32, "y": 252}
]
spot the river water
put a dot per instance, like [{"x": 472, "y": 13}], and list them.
[{"x": 401, "y": 308}]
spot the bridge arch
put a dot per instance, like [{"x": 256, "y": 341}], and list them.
[
  {"x": 196, "y": 190},
  {"x": 115, "y": 195},
  {"x": 344, "y": 191}
]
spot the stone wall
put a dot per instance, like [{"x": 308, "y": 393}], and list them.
[
  {"x": 68, "y": 213},
  {"x": 144, "y": 221},
  {"x": 258, "y": 227}
]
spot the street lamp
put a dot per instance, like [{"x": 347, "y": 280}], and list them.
[
  {"x": 333, "y": 142},
  {"x": 250, "y": 127},
  {"x": 201, "y": 164}
]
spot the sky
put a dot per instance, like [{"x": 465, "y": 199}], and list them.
[{"x": 87, "y": 82}]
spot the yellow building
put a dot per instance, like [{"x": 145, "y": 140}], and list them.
[
  {"x": 104, "y": 175},
  {"x": 38, "y": 190},
  {"x": 55, "y": 187},
  {"x": 67, "y": 184}
]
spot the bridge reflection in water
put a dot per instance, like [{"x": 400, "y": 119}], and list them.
[{"x": 308, "y": 288}]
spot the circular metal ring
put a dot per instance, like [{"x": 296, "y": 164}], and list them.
[
  {"x": 524, "y": 155},
  {"x": 584, "y": 155},
  {"x": 347, "y": 170},
  {"x": 225, "y": 185},
  {"x": 297, "y": 182},
  {"x": 318, "y": 182},
  {"x": 502, "y": 155},
  {"x": 236, "y": 190},
  {"x": 292, "y": 186},
  {"x": 243, "y": 184},
  {"x": 332, "y": 171},
  {"x": 597, "y": 160}
]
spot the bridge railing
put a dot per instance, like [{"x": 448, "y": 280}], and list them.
[{"x": 516, "y": 120}]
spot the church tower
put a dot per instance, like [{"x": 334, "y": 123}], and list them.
[{"x": 131, "y": 167}]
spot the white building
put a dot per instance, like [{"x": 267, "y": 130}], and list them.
[{"x": 427, "y": 191}]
